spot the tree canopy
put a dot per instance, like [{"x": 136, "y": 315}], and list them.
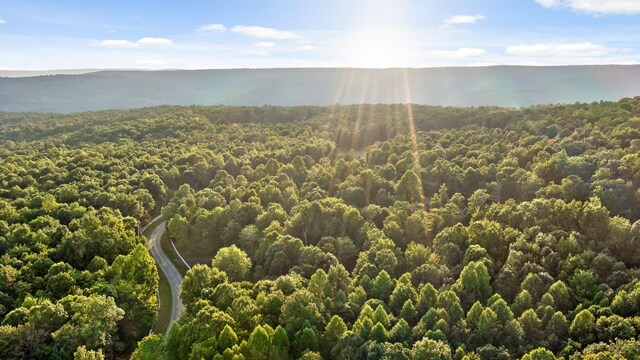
[{"x": 325, "y": 232}]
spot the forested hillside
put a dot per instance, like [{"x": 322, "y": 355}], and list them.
[
  {"x": 343, "y": 232},
  {"x": 447, "y": 86}
]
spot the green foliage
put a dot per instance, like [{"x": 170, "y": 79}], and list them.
[
  {"x": 430, "y": 349},
  {"x": 92, "y": 322},
  {"x": 97, "y": 233},
  {"x": 620, "y": 349},
  {"x": 198, "y": 278},
  {"x": 539, "y": 354},
  {"x": 409, "y": 312},
  {"x": 227, "y": 338},
  {"x": 583, "y": 327},
  {"x": 151, "y": 347},
  {"x": 281, "y": 344},
  {"x": 402, "y": 293},
  {"x": 378, "y": 333},
  {"x": 401, "y": 332},
  {"x": 487, "y": 326},
  {"x": 500, "y": 233},
  {"x": 532, "y": 326},
  {"x": 335, "y": 330},
  {"x": 305, "y": 340},
  {"x": 300, "y": 310},
  {"x": 135, "y": 278},
  {"x": 259, "y": 344},
  {"x": 409, "y": 188},
  {"x": 523, "y": 302},
  {"x": 557, "y": 329},
  {"x": 382, "y": 286},
  {"x": 83, "y": 354},
  {"x": 233, "y": 262},
  {"x": 475, "y": 283}
]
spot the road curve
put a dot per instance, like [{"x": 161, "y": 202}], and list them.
[{"x": 173, "y": 275}]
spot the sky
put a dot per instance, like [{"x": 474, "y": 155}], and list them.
[{"x": 195, "y": 34}]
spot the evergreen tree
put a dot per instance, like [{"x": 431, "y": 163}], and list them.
[
  {"x": 583, "y": 327},
  {"x": 409, "y": 188},
  {"x": 382, "y": 286}
]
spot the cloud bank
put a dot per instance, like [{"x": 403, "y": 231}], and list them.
[
  {"x": 265, "y": 33},
  {"x": 212, "y": 28},
  {"x": 586, "y": 49},
  {"x": 598, "y": 7},
  {"x": 463, "y": 19},
  {"x": 135, "y": 44}
]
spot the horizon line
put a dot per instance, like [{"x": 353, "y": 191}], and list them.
[{"x": 5, "y": 70}]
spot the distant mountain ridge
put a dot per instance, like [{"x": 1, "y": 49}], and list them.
[
  {"x": 30, "y": 73},
  {"x": 512, "y": 86}
]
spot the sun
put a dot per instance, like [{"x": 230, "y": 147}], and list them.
[
  {"x": 380, "y": 48},
  {"x": 381, "y": 36}
]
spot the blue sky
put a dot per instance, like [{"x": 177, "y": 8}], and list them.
[{"x": 329, "y": 33}]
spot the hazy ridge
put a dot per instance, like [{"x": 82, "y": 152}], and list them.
[{"x": 468, "y": 86}]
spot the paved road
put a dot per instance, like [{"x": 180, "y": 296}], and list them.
[{"x": 167, "y": 267}]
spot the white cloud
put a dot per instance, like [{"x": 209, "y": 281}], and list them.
[
  {"x": 118, "y": 43},
  {"x": 151, "y": 62},
  {"x": 306, "y": 47},
  {"x": 265, "y": 33},
  {"x": 462, "y": 53},
  {"x": 560, "y": 50},
  {"x": 135, "y": 44},
  {"x": 154, "y": 41},
  {"x": 265, "y": 44},
  {"x": 463, "y": 19},
  {"x": 256, "y": 52},
  {"x": 212, "y": 27},
  {"x": 598, "y": 7},
  {"x": 2, "y": 22},
  {"x": 550, "y": 3}
]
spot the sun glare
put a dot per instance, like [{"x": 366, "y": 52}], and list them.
[
  {"x": 380, "y": 48},
  {"x": 381, "y": 37}
]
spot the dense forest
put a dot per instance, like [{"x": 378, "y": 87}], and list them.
[{"x": 342, "y": 232}]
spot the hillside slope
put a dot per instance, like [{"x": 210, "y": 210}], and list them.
[{"x": 501, "y": 85}]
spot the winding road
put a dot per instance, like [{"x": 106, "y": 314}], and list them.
[{"x": 166, "y": 265}]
